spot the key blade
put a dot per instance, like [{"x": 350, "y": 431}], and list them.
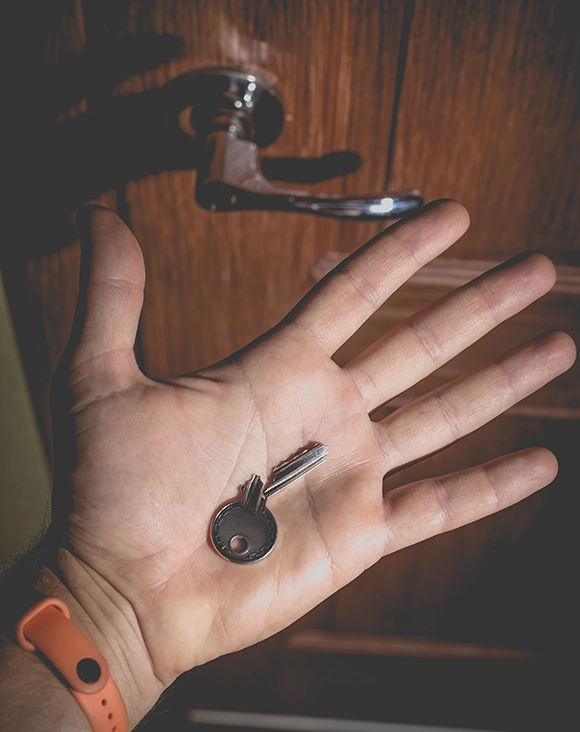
[{"x": 296, "y": 467}]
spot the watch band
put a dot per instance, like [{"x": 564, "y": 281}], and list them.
[{"x": 47, "y": 628}]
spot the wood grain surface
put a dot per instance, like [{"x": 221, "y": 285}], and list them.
[
  {"x": 489, "y": 115},
  {"x": 223, "y": 279}
]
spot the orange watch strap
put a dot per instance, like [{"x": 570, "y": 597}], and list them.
[{"x": 47, "y": 628}]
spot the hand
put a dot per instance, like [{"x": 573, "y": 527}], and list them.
[{"x": 143, "y": 465}]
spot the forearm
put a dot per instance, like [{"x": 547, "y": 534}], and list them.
[
  {"x": 32, "y": 697},
  {"x": 31, "y": 694}
]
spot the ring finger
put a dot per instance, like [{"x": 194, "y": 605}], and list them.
[{"x": 450, "y": 412}]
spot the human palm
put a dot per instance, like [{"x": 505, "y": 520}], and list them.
[{"x": 154, "y": 460}]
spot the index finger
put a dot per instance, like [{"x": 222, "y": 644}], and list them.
[{"x": 341, "y": 302}]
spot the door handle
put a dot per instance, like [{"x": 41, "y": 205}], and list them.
[{"x": 232, "y": 114}]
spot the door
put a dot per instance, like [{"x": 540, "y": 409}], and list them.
[{"x": 474, "y": 100}]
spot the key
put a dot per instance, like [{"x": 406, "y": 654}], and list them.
[
  {"x": 294, "y": 468},
  {"x": 245, "y": 531}
]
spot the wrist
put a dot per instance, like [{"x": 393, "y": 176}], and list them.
[
  {"x": 101, "y": 613},
  {"x": 109, "y": 621}
]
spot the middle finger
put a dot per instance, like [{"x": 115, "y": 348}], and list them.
[{"x": 428, "y": 339}]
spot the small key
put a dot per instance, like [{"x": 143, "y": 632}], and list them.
[{"x": 245, "y": 531}]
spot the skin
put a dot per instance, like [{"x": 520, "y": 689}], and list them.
[{"x": 141, "y": 466}]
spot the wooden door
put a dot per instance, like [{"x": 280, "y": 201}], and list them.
[{"x": 476, "y": 100}]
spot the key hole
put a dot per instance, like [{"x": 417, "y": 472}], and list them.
[{"x": 239, "y": 545}]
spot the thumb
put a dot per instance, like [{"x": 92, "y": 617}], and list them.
[
  {"x": 99, "y": 357},
  {"x": 112, "y": 278}
]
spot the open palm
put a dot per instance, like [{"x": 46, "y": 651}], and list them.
[{"x": 152, "y": 461}]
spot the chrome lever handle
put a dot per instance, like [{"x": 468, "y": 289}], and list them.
[
  {"x": 232, "y": 114},
  {"x": 232, "y": 180}
]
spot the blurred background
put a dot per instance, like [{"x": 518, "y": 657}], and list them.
[{"x": 471, "y": 99}]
